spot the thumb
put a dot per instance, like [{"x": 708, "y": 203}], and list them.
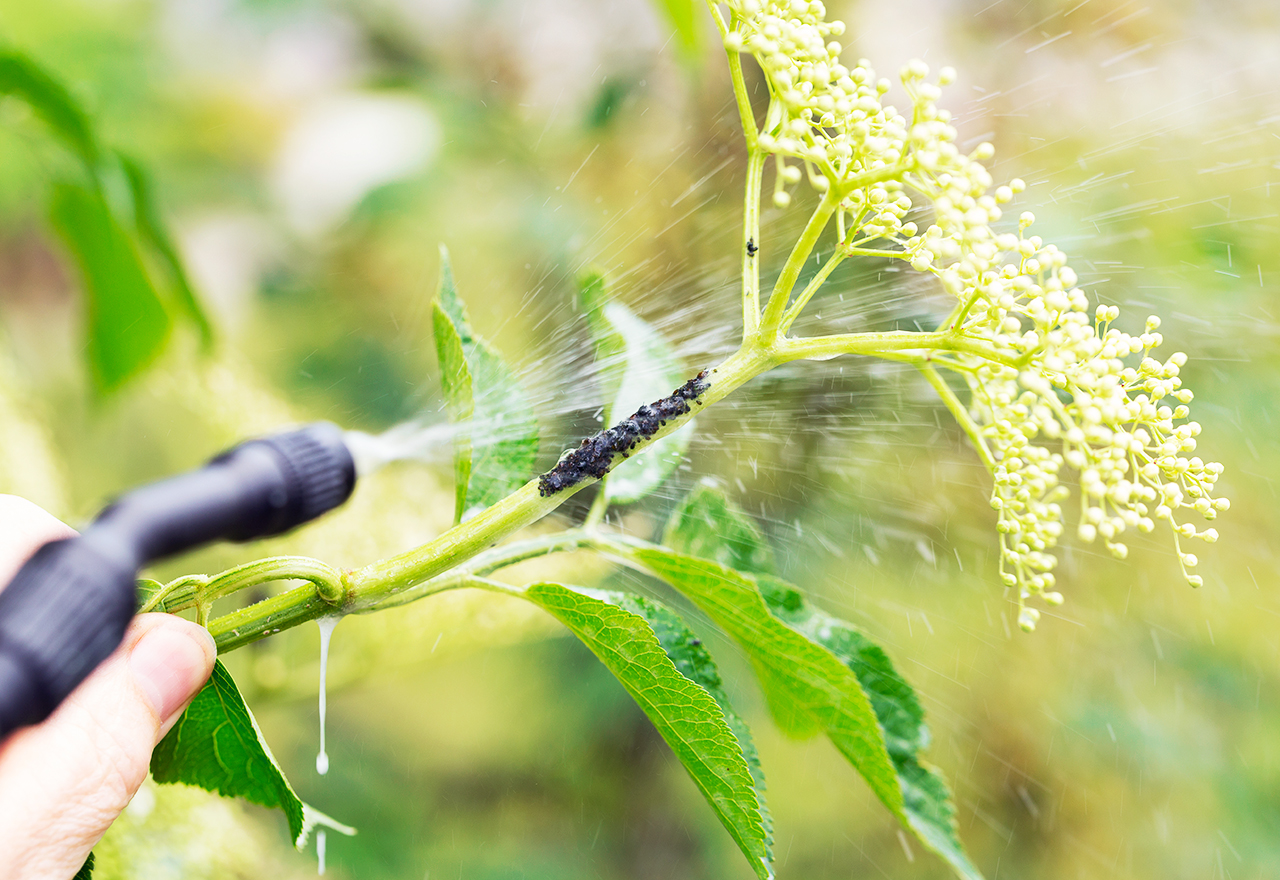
[{"x": 63, "y": 782}]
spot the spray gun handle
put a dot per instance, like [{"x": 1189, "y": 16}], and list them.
[{"x": 67, "y": 608}]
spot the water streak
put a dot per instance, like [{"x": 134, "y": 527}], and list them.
[
  {"x": 326, "y": 625},
  {"x": 414, "y": 440},
  {"x": 321, "y": 841}
]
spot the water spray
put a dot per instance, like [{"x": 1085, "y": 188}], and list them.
[{"x": 68, "y": 607}]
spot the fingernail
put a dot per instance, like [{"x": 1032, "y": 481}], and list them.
[{"x": 170, "y": 663}]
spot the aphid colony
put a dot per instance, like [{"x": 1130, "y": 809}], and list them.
[{"x": 597, "y": 454}]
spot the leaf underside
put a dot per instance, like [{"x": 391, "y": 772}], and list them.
[
  {"x": 23, "y": 78},
  {"x": 497, "y": 442},
  {"x": 636, "y": 366},
  {"x": 672, "y": 678},
  {"x": 152, "y": 229},
  {"x": 709, "y": 525},
  {"x": 127, "y": 323},
  {"x": 216, "y": 745}
]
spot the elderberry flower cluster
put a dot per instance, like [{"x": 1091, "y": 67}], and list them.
[{"x": 1052, "y": 385}]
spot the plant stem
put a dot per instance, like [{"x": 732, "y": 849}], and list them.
[
  {"x": 289, "y": 609},
  {"x": 774, "y": 309},
  {"x": 740, "y": 96},
  {"x": 595, "y": 515},
  {"x": 961, "y": 414},
  {"x": 190, "y": 591},
  {"x": 489, "y": 562},
  {"x": 824, "y": 347},
  {"x": 810, "y": 289},
  {"x": 751, "y": 243}
]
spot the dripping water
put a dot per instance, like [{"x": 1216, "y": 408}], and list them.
[{"x": 326, "y": 625}]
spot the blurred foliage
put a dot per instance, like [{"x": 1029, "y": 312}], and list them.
[
  {"x": 126, "y": 323},
  {"x": 1134, "y": 736}
]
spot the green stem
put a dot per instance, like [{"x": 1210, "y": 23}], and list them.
[
  {"x": 824, "y": 347},
  {"x": 201, "y": 591},
  {"x": 956, "y": 320},
  {"x": 285, "y": 611},
  {"x": 487, "y": 563},
  {"x": 494, "y": 586},
  {"x": 774, "y": 309},
  {"x": 751, "y": 243},
  {"x": 177, "y": 595},
  {"x": 595, "y": 515},
  {"x": 877, "y": 175},
  {"x": 961, "y": 414},
  {"x": 326, "y": 578},
  {"x": 810, "y": 289},
  {"x": 740, "y": 95}
]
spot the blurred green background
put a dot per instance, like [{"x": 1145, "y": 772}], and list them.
[{"x": 311, "y": 155}]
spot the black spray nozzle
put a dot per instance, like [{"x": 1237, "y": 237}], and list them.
[{"x": 68, "y": 607}]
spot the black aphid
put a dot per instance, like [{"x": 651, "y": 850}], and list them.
[
  {"x": 751, "y": 247},
  {"x": 595, "y": 457}
]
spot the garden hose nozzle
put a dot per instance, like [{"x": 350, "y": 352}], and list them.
[{"x": 67, "y": 608}]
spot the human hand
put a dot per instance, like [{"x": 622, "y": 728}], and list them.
[{"x": 63, "y": 782}]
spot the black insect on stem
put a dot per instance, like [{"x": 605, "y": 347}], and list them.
[
  {"x": 595, "y": 457},
  {"x": 751, "y": 247}
]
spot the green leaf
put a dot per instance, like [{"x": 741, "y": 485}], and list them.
[
  {"x": 672, "y": 678},
  {"x": 127, "y": 323},
  {"x": 709, "y": 525},
  {"x": 217, "y": 745},
  {"x": 52, "y": 102},
  {"x": 152, "y": 229},
  {"x": 927, "y": 803},
  {"x": 816, "y": 682},
  {"x": 694, "y": 662},
  {"x": 683, "y": 16},
  {"x": 147, "y": 590},
  {"x": 495, "y": 451},
  {"x": 455, "y": 381},
  {"x": 637, "y": 366},
  {"x": 86, "y": 870}
]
